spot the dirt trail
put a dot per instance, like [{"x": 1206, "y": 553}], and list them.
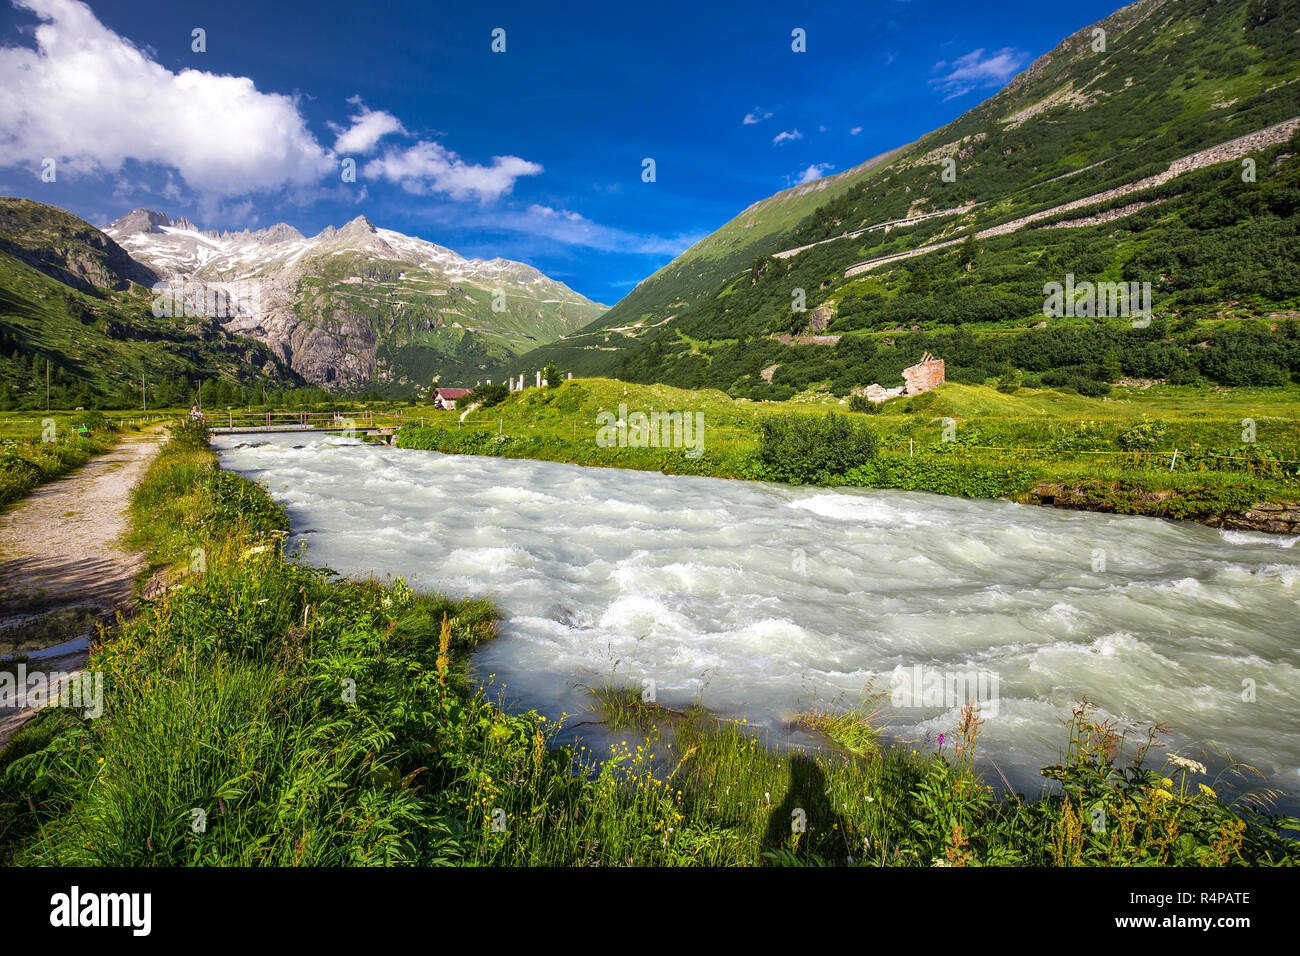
[{"x": 63, "y": 563}]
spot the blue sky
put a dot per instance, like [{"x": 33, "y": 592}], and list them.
[{"x": 534, "y": 154}]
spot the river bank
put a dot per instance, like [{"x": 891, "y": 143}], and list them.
[
  {"x": 259, "y": 677},
  {"x": 1043, "y": 448}
]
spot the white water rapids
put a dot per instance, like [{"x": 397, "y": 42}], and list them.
[{"x": 755, "y": 598}]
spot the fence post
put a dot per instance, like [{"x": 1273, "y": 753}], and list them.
[{"x": 911, "y": 452}]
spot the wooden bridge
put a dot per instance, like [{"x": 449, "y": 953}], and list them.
[{"x": 358, "y": 423}]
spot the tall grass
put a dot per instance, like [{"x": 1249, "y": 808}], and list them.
[{"x": 27, "y": 462}]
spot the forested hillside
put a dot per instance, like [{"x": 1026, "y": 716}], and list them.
[{"x": 1102, "y": 124}]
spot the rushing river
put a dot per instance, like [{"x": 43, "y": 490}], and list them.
[{"x": 755, "y": 599}]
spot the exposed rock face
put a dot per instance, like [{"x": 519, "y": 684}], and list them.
[
  {"x": 67, "y": 249},
  {"x": 139, "y": 221},
  {"x": 921, "y": 377},
  {"x": 1279, "y": 517},
  {"x": 819, "y": 319},
  {"x": 1276, "y": 517},
  {"x": 341, "y": 355}
]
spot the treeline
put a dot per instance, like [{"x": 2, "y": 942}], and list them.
[
  {"x": 23, "y": 388},
  {"x": 1086, "y": 358}
]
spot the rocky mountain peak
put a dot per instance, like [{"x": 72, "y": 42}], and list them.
[
  {"x": 360, "y": 226},
  {"x": 281, "y": 232},
  {"x": 140, "y": 221}
]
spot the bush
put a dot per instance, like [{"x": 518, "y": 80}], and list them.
[
  {"x": 189, "y": 433},
  {"x": 96, "y": 422},
  {"x": 801, "y": 449},
  {"x": 489, "y": 395},
  {"x": 1144, "y": 435}
]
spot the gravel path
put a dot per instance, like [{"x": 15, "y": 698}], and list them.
[{"x": 63, "y": 563}]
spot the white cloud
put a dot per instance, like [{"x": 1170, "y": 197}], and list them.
[
  {"x": 92, "y": 100},
  {"x": 977, "y": 71},
  {"x": 367, "y": 129},
  {"x": 756, "y": 115},
  {"x": 786, "y": 137},
  {"x": 855, "y": 131},
  {"x": 574, "y": 229},
  {"x": 815, "y": 171},
  {"x": 429, "y": 167}
]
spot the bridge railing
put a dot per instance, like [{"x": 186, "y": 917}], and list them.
[{"x": 365, "y": 418}]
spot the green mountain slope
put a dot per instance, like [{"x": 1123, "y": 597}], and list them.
[
  {"x": 71, "y": 296},
  {"x": 1100, "y": 131}
]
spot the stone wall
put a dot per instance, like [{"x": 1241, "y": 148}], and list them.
[{"x": 1232, "y": 150}]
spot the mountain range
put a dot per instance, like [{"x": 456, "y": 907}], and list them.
[
  {"x": 363, "y": 306},
  {"x": 350, "y": 309}
]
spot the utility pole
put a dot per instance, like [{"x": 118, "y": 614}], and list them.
[
  {"x": 144, "y": 402},
  {"x": 47, "y": 385}
]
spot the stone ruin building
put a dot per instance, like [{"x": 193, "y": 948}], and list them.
[{"x": 921, "y": 377}]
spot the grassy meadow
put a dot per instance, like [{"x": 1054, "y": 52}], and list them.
[
  {"x": 1235, "y": 447},
  {"x": 34, "y": 450}
]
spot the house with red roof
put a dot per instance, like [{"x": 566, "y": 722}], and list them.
[{"x": 445, "y": 398}]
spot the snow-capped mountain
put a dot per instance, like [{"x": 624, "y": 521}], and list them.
[{"x": 359, "y": 304}]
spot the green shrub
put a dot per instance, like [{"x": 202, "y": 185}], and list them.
[
  {"x": 28, "y": 462},
  {"x": 189, "y": 433},
  {"x": 1143, "y": 435},
  {"x": 489, "y": 395},
  {"x": 801, "y": 449}
]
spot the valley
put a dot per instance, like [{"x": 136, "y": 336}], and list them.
[{"x": 939, "y": 509}]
